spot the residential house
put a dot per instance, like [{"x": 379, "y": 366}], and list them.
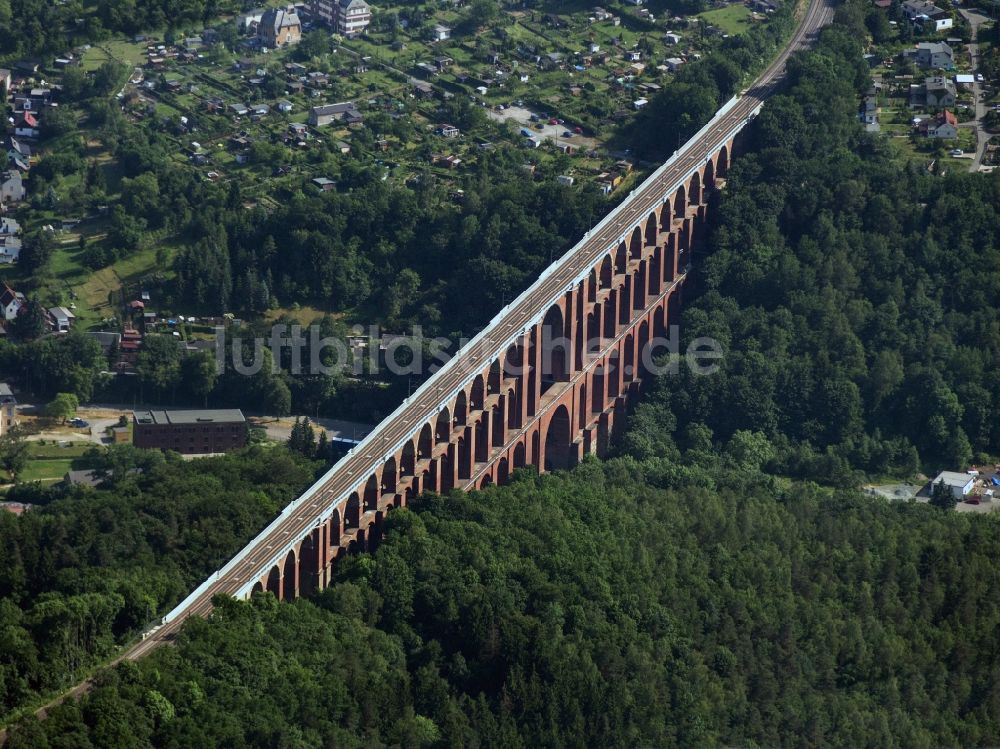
[
  {"x": 61, "y": 319},
  {"x": 284, "y": 106},
  {"x": 11, "y": 187},
  {"x": 944, "y": 126},
  {"x": 347, "y": 17},
  {"x": 673, "y": 64},
  {"x": 939, "y": 92},
  {"x": 8, "y": 408},
  {"x": 926, "y": 14},
  {"x": 10, "y": 242},
  {"x": 26, "y": 125},
  {"x": 671, "y": 39},
  {"x": 18, "y": 150},
  {"x": 448, "y": 131},
  {"x": 353, "y": 17},
  {"x": 325, "y": 184},
  {"x": 869, "y": 113},
  {"x": 10, "y": 249},
  {"x": 11, "y": 302},
  {"x": 932, "y": 55},
  {"x": 280, "y": 27},
  {"x": 440, "y": 33},
  {"x": 344, "y": 112},
  {"x": 240, "y": 109}
]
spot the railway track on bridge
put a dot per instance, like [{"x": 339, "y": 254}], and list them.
[{"x": 304, "y": 514}]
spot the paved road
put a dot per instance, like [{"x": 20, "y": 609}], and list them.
[
  {"x": 423, "y": 406},
  {"x": 982, "y": 137}
]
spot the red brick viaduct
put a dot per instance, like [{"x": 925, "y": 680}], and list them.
[{"x": 556, "y": 394}]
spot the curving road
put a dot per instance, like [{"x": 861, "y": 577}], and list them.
[{"x": 316, "y": 504}]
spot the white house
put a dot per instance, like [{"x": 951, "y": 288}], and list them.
[
  {"x": 62, "y": 319},
  {"x": 11, "y": 302},
  {"x": 440, "y": 33},
  {"x": 959, "y": 484}
]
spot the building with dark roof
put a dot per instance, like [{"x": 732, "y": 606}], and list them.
[
  {"x": 195, "y": 432},
  {"x": 279, "y": 27}
]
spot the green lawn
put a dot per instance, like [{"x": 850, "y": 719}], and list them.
[
  {"x": 50, "y": 462},
  {"x": 733, "y": 19}
]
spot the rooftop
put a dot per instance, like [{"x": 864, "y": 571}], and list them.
[
  {"x": 953, "y": 478},
  {"x": 200, "y": 416}
]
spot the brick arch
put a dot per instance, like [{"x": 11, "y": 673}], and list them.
[
  {"x": 652, "y": 231},
  {"x": 371, "y": 494},
  {"x": 520, "y": 455},
  {"x": 257, "y": 588},
  {"x": 621, "y": 258},
  {"x": 425, "y": 442},
  {"x": 486, "y": 481},
  {"x": 309, "y": 565},
  {"x": 503, "y": 471},
  {"x": 274, "y": 581},
  {"x": 554, "y": 349},
  {"x": 558, "y": 439},
  {"x": 635, "y": 244},
  {"x": 597, "y": 389},
  {"x": 680, "y": 202},
  {"x": 498, "y": 423},
  {"x": 408, "y": 459},
  {"x": 628, "y": 362},
  {"x": 494, "y": 378},
  {"x": 288, "y": 575},
  {"x": 694, "y": 189},
  {"x": 709, "y": 178},
  {"x": 614, "y": 374},
  {"x": 665, "y": 216},
  {"x": 513, "y": 410},
  {"x": 390, "y": 476},
  {"x": 477, "y": 394},
  {"x": 722, "y": 167},
  {"x": 461, "y": 408},
  {"x": 592, "y": 286},
  {"x": 642, "y": 342},
  {"x": 335, "y": 528},
  {"x": 352, "y": 514},
  {"x": 606, "y": 275},
  {"x": 513, "y": 362},
  {"x": 442, "y": 426}
]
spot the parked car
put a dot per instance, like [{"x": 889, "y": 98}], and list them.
[
  {"x": 567, "y": 134},
  {"x": 78, "y": 422},
  {"x": 955, "y": 152}
]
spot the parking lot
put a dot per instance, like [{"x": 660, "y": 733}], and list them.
[{"x": 542, "y": 129}]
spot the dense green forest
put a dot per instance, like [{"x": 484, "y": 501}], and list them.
[
  {"x": 87, "y": 568},
  {"x": 855, "y": 295},
  {"x": 596, "y": 609}
]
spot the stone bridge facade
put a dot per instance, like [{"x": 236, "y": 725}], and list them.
[{"x": 558, "y": 393}]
